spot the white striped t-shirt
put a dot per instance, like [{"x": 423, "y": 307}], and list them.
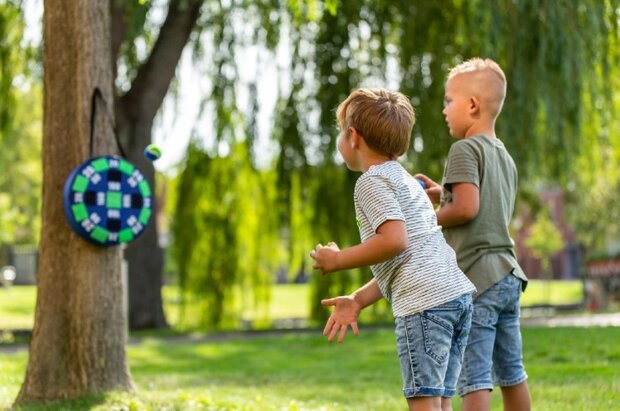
[{"x": 425, "y": 274}]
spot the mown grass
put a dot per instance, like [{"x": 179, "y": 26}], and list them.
[
  {"x": 569, "y": 369},
  {"x": 561, "y": 292},
  {"x": 17, "y": 307},
  {"x": 287, "y": 301}
]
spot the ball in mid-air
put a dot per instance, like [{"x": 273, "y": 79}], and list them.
[{"x": 152, "y": 152}]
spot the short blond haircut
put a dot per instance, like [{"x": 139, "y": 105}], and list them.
[
  {"x": 384, "y": 118},
  {"x": 487, "y": 78}
]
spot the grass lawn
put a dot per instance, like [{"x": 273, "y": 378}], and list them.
[
  {"x": 563, "y": 292},
  {"x": 287, "y": 301},
  {"x": 569, "y": 369},
  {"x": 17, "y": 307}
]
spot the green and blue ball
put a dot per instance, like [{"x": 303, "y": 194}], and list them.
[{"x": 152, "y": 152}]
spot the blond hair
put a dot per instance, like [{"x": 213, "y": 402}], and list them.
[
  {"x": 487, "y": 78},
  {"x": 384, "y": 118}
]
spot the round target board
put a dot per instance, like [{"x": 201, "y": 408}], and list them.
[{"x": 107, "y": 200}]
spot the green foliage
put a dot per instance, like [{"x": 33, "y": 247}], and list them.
[
  {"x": 11, "y": 30},
  {"x": 379, "y": 44},
  {"x": 595, "y": 184},
  {"x": 560, "y": 59},
  {"x": 554, "y": 49},
  {"x": 20, "y": 131},
  {"x": 549, "y": 51},
  {"x": 140, "y": 37},
  {"x": 545, "y": 239},
  {"x": 224, "y": 233}
]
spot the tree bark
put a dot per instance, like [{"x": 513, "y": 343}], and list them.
[
  {"x": 79, "y": 335},
  {"x": 144, "y": 255},
  {"x": 136, "y": 111}
]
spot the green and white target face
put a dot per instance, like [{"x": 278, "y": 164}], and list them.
[{"x": 107, "y": 200}]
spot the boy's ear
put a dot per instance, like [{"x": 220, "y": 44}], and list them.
[
  {"x": 474, "y": 104},
  {"x": 355, "y": 137}
]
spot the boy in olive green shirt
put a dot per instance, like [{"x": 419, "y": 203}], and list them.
[{"x": 476, "y": 198}]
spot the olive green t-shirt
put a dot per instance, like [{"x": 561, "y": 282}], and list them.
[{"x": 484, "y": 249}]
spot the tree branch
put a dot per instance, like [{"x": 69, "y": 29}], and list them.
[
  {"x": 154, "y": 77},
  {"x": 118, "y": 28}
]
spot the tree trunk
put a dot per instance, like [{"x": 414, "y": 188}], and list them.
[
  {"x": 79, "y": 336},
  {"x": 136, "y": 111},
  {"x": 144, "y": 255}
]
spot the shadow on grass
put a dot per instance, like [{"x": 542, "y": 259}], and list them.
[
  {"x": 295, "y": 360},
  {"x": 570, "y": 368},
  {"x": 78, "y": 404}
]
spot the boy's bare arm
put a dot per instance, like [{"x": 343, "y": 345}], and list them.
[
  {"x": 347, "y": 310},
  {"x": 463, "y": 208},
  {"x": 389, "y": 241},
  {"x": 367, "y": 294}
]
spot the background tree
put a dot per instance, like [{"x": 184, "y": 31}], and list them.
[
  {"x": 146, "y": 85},
  {"x": 560, "y": 59},
  {"x": 20, "y": 117},
  {"x": 544, "y": 241},
  {"x": 79, "y": 336},
  {"x": 548, "y": 51},
  {"x": 594, "y": 187},
  {"x": 226, "y": 230},
  {"x": 410, "y": 46}
]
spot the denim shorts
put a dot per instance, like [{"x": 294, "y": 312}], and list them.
[
  {"x": 430, "y": 347},
  {"x": 493, "y": 355}
]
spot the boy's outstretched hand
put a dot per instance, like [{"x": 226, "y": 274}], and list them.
[
  {"x": 325, "y": 257},
  {"x": 433, "y": 190},
  {"x": 346, "y": 311}
]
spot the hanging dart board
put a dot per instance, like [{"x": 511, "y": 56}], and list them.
[{"x": 107, "y": 200}]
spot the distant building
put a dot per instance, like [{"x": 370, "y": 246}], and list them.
[{"x": 566, "y": 264}]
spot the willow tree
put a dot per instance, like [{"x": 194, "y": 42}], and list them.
[
  {"x": 79, "y": 336},
  {"x": 562, "y": 66},
  {"x": 595, "y": 184},
  {"x": 20, "y": 115},
  {"x": 552, "y": 53},
  {"x": 144, "y": 82},
  {"x": 225, "y": 230},
  {"x": 209, "y": 258}
]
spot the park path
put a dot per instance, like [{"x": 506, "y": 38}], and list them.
[
  {"x": 566, "y": 320},
  {"x": 574, "y": 320}
]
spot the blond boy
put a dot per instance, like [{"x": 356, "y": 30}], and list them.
[
  {"x": 476, "y": 198},
  {"x": 412, "y": 265}
]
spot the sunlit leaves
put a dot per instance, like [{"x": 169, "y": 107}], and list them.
[
  {"x": 139, "y": 39},
  {"x": 595, "y": 183},
  {"x": 225, "y": 234},
  {"x": 556, "y": 55},
  {"x": 20, "y": 131},
  {"x": 11, "y": 32},
  {"x": 553, "y": 53},
  {"x": 331, "y": 6}
]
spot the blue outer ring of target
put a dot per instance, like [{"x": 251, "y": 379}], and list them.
[{"x": 107, "y": 200}]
